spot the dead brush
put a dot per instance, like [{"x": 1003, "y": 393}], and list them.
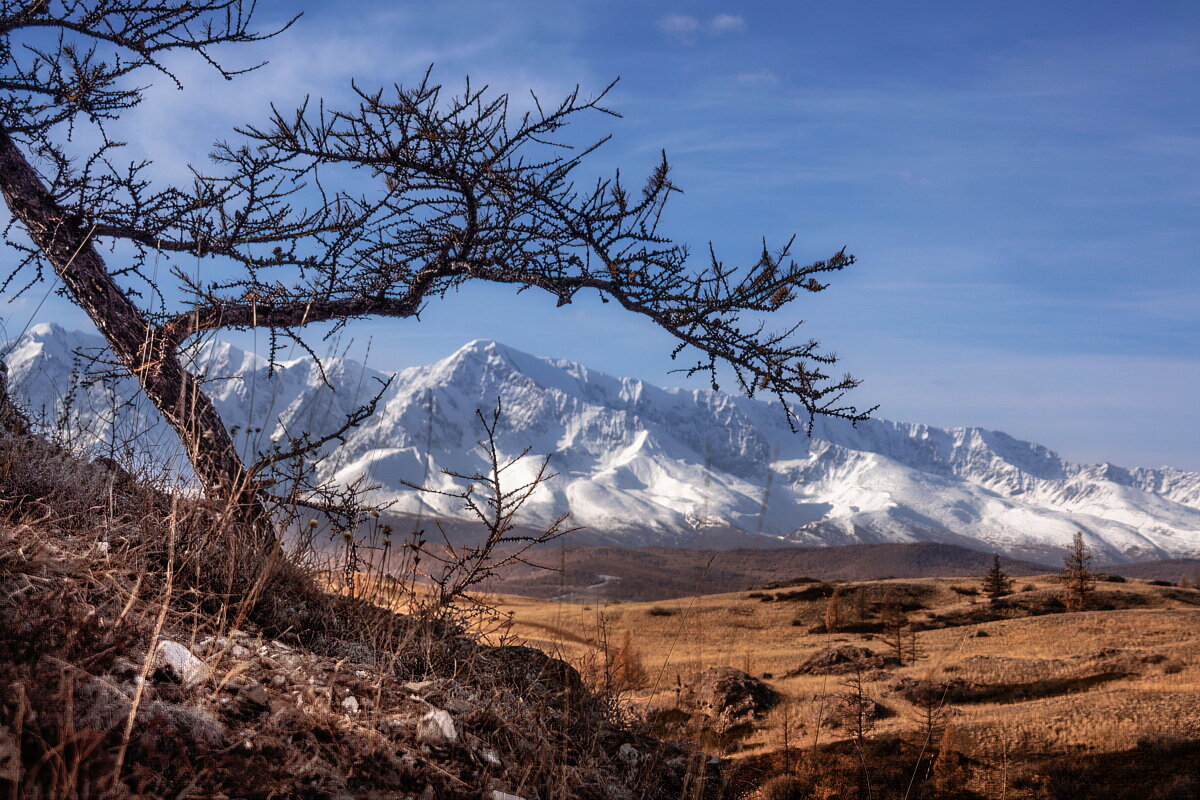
[
  {"x": 613, "y": 666},
  {"x": 94, "y": 565},
  {"x": 86, "y": 595}
]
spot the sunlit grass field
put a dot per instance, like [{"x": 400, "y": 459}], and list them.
[{"x": 1155, "y": 650}]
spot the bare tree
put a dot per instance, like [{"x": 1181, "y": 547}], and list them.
[
  {"x": 857, "y": 712},
  {"x": 929, "y": 712},
  {"x": 913, "y": 643},
  {"x": 856, "y": 709},
  {"x": 461, "y": 190},
  {"x": 895, "y": 627}
]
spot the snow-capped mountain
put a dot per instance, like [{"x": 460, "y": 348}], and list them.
[{"x": 641, "y": 464}]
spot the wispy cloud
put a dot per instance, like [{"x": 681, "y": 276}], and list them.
[
  {"x": 687, "y": 28},
  {"x": 679, "y": 26},
  {"x": 727, "y": 23},
  {"x": 759, "y": 77}
]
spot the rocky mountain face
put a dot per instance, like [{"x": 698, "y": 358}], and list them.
[{"x": 637, "y": 463}]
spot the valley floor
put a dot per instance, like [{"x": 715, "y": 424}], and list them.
[{"x": 1020, "y": 697}]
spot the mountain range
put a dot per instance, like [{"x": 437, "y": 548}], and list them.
[{"x": 636, "y": 464}]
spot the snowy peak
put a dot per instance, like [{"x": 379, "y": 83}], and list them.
[{"x": 640, "y": 464}]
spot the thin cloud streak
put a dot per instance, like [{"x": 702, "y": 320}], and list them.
[{"x": 687, "y": 28}]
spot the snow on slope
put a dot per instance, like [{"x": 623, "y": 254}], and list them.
[{"x": 646, "y": 464}]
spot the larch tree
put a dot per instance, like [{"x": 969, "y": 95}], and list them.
[
  {"x": 996, "y": 583},
  {"x": 1076, "y": 575},
  {"x": 856, "y": 710},
  {"x": 833, "y": 611},
  {"x": 895, "y": 626},
  {"x": 330, "y": 215}
]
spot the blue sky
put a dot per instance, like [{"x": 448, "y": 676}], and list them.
[{"x": 1020, "y": 182}]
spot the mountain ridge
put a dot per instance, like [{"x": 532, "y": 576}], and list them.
[{"x": 659, "y": 466}]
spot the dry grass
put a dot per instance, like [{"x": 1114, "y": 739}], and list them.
[
  {"x": 97, "y": 569},
  {"x": 1117, "y": 679}
]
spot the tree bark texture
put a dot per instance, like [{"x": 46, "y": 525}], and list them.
[{"x": 138, "y": 345}]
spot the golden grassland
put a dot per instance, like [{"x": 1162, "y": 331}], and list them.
[{"x": 1153, "y": 697}]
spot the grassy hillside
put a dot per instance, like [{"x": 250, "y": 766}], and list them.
[
  {"x": 150, "y": 647},
  {"x": 1035, "y": 703},
  {"x": 145, "y": 652},
  {"x": 1181, "y": 570}
]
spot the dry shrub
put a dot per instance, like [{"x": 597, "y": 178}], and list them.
[
  {"x": 1173, "y": 667},
  {"x": 613, "y": 669},
  {"x": 950, "y": 772},
  {"x": 39, "y": 478},
  {"x": 786, "y": 787},
  {"x": 95, "y": 567}
]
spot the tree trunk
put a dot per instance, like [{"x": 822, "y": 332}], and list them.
[
  {"x": 11, "y": 419},
  {"x": 138, "y": 345}
]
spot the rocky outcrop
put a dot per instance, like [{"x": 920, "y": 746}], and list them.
[
  {"x": 731, "y": 696},
  {"x": 840, "y": 660}
]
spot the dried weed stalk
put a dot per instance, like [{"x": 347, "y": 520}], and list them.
[{"x": 453, "y": 570}]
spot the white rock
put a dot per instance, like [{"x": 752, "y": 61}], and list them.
[
  {"x": 350, "y": 704},
  {"x": 176, "y": 658},
  {"x": 629, "y": 754},
  {"x": 239, "y": 652},
  {"x": 437, "y": 728},
  {"x": 498, "y": 795}
]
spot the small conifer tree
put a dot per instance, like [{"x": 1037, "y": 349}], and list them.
[
  {"x": 856, "y": 711},
  {"x": 916, "y": 650},
  {"x": 895, "y": 628},
  {"x": 950, "y": 773},
  {"x": 1076, "y": 574},
  {"x": 996, "y": 583},
  {"x": 833, "y": 611},
  {"x": 928, "y": 698}
]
